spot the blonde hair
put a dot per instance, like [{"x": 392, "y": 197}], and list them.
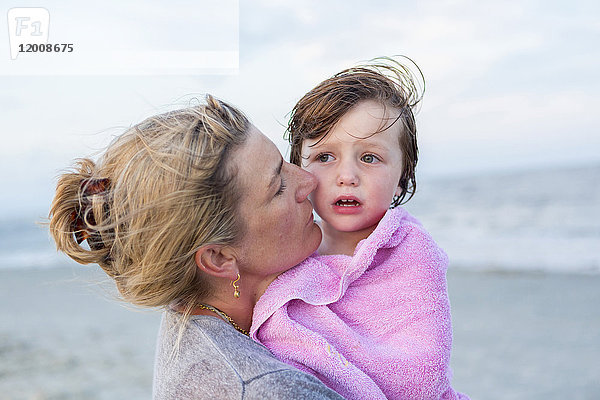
[{"x": 160, "y": 191}]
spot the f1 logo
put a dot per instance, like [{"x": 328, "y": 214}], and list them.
[{"x": 27, "y": 26}]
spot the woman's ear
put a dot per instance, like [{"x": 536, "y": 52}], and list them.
[{"x": 216, "y": 260}]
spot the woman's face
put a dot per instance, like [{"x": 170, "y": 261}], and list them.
[{"x": 275, "y": 210}]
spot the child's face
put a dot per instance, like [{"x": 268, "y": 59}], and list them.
[{"x": 357, "y": 171}]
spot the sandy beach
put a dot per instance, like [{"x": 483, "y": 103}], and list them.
[
  {"x": 516, "y": 336},
  {"x": 63, "y": 336},
  {"x": 526, "y": 336}
]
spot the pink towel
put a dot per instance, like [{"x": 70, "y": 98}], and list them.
[{"x": 372, "y": 326}]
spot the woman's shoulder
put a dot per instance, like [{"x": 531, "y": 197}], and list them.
[
  {"x": 198, "y": 360},
  {"x": 213, "y": 360}
]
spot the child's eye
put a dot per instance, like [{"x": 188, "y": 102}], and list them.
[
  {"x": 323, "y": 157},
  {"x": 369, "y": 158}
]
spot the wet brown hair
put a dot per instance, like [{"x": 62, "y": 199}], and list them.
[{"x": 384, "y": 80}]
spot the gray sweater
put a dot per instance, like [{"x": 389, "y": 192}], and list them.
[{"x": 217, "y": 362}]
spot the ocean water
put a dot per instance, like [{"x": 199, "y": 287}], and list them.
[
  {"x": 544, "y": 220},
  {"x": 25, "y": 242}
]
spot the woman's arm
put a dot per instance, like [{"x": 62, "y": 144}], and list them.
[{"x": 289, "y": 385}]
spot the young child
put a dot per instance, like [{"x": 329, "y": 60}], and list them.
[{"x": 369, "y": 314}]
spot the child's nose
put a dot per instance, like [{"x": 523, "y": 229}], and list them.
[{"x": 347, "y": 175}]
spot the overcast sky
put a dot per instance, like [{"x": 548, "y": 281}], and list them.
[{"x": 510, "y": 85}]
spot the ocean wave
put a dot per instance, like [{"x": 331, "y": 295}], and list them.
[{"x": 33, "y": 259}]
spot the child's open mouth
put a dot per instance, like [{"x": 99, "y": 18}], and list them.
[{"x": 347, "y": 203}]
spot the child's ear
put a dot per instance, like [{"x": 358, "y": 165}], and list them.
[
  {"x": 398, "y": 191},
  {"x": 216, "y": 260}
]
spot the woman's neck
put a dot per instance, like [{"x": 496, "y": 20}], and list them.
[
  {"x": 239, "y": 309},
  {"x": 338, "y": 242}
]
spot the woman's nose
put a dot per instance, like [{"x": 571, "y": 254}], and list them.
[
  {"x": 346, "y": 174},
  {"x": 307, "y": 182}
]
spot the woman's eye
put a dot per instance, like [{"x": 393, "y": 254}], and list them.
[
  {"x": 281, "y": 188},
  {"x": 324, "y": 157},
  {"x": 369, "y": 158}
]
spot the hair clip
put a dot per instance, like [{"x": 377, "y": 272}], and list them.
[
  {"x": 92, "y": 186},
  {"x": 88, "y": 187}
]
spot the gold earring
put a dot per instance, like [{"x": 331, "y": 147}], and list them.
[{"x": 236, "y": 289}]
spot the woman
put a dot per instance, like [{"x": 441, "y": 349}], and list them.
[{"x": 196, "y": 211}]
